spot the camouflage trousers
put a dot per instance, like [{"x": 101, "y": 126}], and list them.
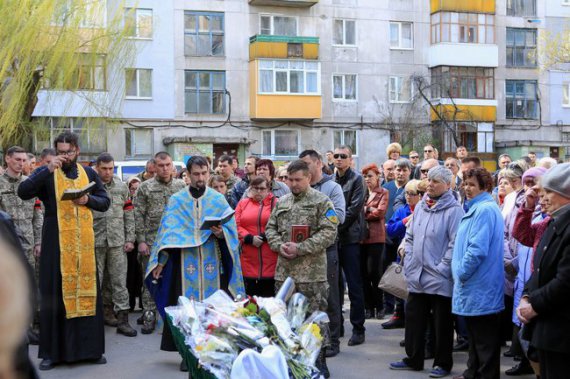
[
  {"x": 112, "y": 272},
  {"x": 147, "y": 300},
  {"x": 316, "y": 294},
  {"x": 35, "y": 265}
]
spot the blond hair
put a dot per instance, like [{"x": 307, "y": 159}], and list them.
[{"x": 394, "y": 147}]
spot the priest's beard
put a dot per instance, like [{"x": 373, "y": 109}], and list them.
[{"x": 69, "y": 164}]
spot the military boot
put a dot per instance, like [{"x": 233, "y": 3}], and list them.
[
  {"x": 149, "y": 322},
  {"x": 124, "y": 327},
  {"x": 109, "y": 316}
]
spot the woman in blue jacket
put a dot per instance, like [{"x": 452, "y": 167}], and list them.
[{"x": 478, "y": 275}]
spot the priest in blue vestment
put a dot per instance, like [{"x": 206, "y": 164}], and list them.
[{"x": 188, "y": 261}]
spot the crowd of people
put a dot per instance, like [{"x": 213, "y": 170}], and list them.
[{"x": 485, "y": 254}]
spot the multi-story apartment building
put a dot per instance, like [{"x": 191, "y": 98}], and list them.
[{"x": 274, "y": 77}]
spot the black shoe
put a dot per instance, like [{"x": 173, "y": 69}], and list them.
[
  {"x": 368, "y": 313},
  {"x": 183, "y": 366},
  {"x": 356, "y": 339},
  {"x": 140, "y": 320},
  {"x": 520, "y": 369},
  {"x": 332, "y": 351},
  {"x": 461, "y": 346},
  {"x": 100, "y": 361},
  {"x": 33, "y": 337},
  {"x": 46, "y": 364},
  {"x": 508, "y": 354},
  {"x": 403, "y": 343},
  {"x": 517, "y": 358},
  {"x": 394, "y": 323}
]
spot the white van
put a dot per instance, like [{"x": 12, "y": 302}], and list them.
[{"x": 126, "y": 169}]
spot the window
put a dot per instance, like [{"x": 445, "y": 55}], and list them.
[
  {"x": 346, "y": 138},
  {"x": 566, "y": 94},
  {"x": 462, "y": 82},
  {"x": 462, "y": 27},
  {"x": 89, "y": 74},
  {"x": 138, "y": 83},
  {"x": 138, "y": 143},
  {"x": 203, "y": 34},
  {"x": 476, "y": 137},
  {"x": 521, "y": 47},
  {"x": 344, "y": 87},
  {"x": 289, "y": 77},
  {"x": 521, "y": 99},
  {"x": 400, "y": 90},
  {"x": 92, "y": 133},
  {"x": 204, "y": 92},
  {"x": 401, "y": 35},
  {"x": 344, "y": 32},
  {"x": 521, "y": 8},
  {"x": 278, "y": 25},
  {"x": 280, "y": 143},
  {"x": 138, "y": 22}
]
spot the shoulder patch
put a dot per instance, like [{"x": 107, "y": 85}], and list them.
[{"x": 331, "y": 216}]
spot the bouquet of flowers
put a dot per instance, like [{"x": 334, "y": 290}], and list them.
[{"x": 218, "y": 329}]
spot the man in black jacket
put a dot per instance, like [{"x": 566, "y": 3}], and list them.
[
  {"x": 544, "y": 306},
  {"x": 350, "y": 234}
]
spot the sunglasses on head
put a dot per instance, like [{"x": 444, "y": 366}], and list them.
[{"x": 341, "y": 156}]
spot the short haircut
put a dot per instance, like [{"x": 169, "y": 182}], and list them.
[
  {"x": 474, "y": 160},
  {"x": 252, "y": 157},
  {"x": 314, "y": 154},
  {"x": 48, "y": 151},
  {"x": 226, "y": 158},
  {"x": 460, "y": 147},
  {"x": 429, "y": 144},
  {"x": 345, "y": 147},
  {"x": 505, "y": 156},
  {"x": 151, "y": 161},
  {"x": 31, "y": 156},
  {"x": 66, "y": 137},
  {"x": 257, "y": 180},
  {"x": 440, "y": 174},
  {"x": 370, "y": 167},
  {"x": 547, "y": 162},
  {"x": 104, "y": 158},
  {"x": 268, "y": 163},
  {"x": 14, "y": 150},
  {"x": 330, "y": 151},
  {"x": 532, "y": 152},
  {"x": 298, "y": 165},
  {"x": 162, "y": 155},
  {"x": 196, "y": 160},
  {"x": 483, "y": 177},
  {"x": 394, "y": 147},
  {"x": 455, "y": 161},
  {"x": 403, "y": 163}
]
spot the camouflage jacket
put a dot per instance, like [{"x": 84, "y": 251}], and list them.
[
  {"x": 28, "y": 215},
  {"x": 231, "y": 182},
  {"x": 150, "y": 200},
  {"x": 116, "y": 226},
  {"x": 310, "y": 208}
]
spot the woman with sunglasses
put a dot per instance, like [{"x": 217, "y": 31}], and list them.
[{"x": 257, "y": 259}]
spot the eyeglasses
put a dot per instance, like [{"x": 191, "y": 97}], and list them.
[
  {"x": 259, "y": 189},
  {"x": 283, "y": 177},
  {"x": 415, "y": 157},
  {"x": 424, "y": 171},
  {"x": 341, "y": 156},
  {"x": 411, "y": 193},
  {"x": 69, "y": 153},
  {"x": 428, "y": 151}
]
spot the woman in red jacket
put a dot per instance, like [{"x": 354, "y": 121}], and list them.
[
  {"x": 257, "y": 259},
  {"x": 372, "y": 247}
]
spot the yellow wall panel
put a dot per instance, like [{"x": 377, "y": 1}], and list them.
[
  {"x": 279, "y": 50},
  {"x": 473, "y": 6},
  {"x": 286, "y": 107},
  {"x": 466, "y": 113}
]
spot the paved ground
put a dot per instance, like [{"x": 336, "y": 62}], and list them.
[{"x": 140, "y": 358}]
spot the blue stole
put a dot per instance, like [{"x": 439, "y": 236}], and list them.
[{"x": 202, "y": 255}]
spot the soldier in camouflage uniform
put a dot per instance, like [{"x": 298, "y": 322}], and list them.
[
  {"x": 114, "y": 238},
  {"x": 150, "y": 200},
  {"x": 22, "y": 212},
  {"x": 305, "y": 262}
]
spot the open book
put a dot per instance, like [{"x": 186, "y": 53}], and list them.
[
  {"x": 210, "y": 221},
  {"x": 76, "y": 193}
]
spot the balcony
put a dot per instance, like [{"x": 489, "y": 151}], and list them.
[
  {"x": 283, "y": 47},
  {"x": 463, "y": 54},
  {"x": 468, "y": 6},
  {"x": 285, "y": 3},
  {"x": 469, "y": 110}
]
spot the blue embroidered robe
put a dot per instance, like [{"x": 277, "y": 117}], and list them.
[{"x": 203, "y": 256}]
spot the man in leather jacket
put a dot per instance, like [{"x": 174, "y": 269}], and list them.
[{"x": 351, "y": 232}]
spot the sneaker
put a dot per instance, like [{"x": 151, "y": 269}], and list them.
[
  {"x": 401, "y": 365},
  {"x": 438, "y": 372}
]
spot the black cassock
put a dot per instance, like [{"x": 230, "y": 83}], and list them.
[{"x": 61, "y": 339}]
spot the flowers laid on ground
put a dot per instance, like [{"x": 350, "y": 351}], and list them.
[{"x": 218, "y": 329}]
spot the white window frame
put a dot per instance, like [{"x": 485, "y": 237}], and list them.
[
  {"x": 398, "y": 90},
  {"x": 343, "y": 98},
  {"x": 274, "y": 70},
  {"x": 138, "y": 84},
  {"x": 272, "y": 148},
  {"x": 343, "y": 139},
  {"x": 344, "y": 21},
  {"x": 271, "y": 22},
  {"x": 566, "y": 91},
  {"x": 137, "y": 27},
  {"x": 400, "y": 23},
  {"x": 145, "y": 154}
]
